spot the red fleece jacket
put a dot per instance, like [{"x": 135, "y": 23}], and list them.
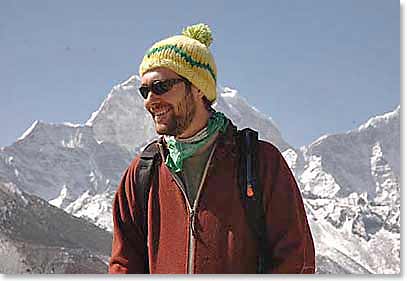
[{"x": 222, "y": 241}]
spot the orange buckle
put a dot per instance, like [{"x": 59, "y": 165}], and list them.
[{"x": 250, "y": 191}]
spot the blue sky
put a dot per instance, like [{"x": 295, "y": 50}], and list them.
[{"x": 315, "y": 67}]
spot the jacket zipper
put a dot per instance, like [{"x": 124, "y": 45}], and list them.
[{"x": 192, "y": 212}]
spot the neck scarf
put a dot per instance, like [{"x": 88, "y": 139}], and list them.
[{"x": 181, "y": 149}]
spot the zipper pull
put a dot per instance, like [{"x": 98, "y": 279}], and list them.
[{"x": 192, "y": 223}]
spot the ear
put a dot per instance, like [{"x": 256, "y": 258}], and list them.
[{"x": 199, "y": 93}]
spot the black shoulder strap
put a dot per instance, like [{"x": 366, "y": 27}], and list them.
[
  {"x": 251, "y": 190},
  {"x": 147, "y": 167}
]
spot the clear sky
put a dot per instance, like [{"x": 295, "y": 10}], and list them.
[{"x": 315, "y": 67}]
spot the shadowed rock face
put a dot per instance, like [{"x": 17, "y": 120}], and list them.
[{"x": 36, "y": 237}]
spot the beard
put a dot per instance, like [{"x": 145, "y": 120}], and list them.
[{"x": 179, "y": 118}]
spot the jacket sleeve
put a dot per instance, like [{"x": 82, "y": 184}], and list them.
[
  {"x": 128, "y": 246},
  {"x": 290, "y": 244}
]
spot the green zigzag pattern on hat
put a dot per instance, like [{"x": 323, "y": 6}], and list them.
[{"x": 184, "y": 55}]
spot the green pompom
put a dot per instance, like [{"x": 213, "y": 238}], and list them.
[{"x": 200, "y": 32}]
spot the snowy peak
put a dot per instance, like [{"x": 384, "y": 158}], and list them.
[
  {"x": 51, "y": 158},
  {"x": 29, "y": 130},
  {"x": 351, "y": 188},
  {"x": 385, "y": 122},
  {"x": 347, "y": 156},
  {"x": 228, "y": 92},
  {"x": 123, "y": 120},
  {"x": 350, "y": 184},
  {"x": 129, "y": 86},
  {"x": 76, "y": 166},
  {"x": 66, "y": 134},
  {"x": 381, "y": 119},
  {"x": 38, "y": 127},
  {"x": 244, "y": 115}
]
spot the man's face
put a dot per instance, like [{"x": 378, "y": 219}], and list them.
[{"x": 172, "y": 111}]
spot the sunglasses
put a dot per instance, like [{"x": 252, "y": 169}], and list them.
[{"x": 159, "y": 87}]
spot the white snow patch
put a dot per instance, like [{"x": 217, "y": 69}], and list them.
[
  {"x": 374, "y": 121},
  {"x": 97, "y": 208},
  {"x": 290, "y": 157},
  {"x": 74, "y": 142},
  {"x": 92, "y": 177},
  {"x": 387, "y": 187},
  {"x": 315, "y": 180},
  {"x": 10, "y": 160},
  {"x": 319, "y": 140},
  {"x": 130, "y": 84},
  {"x": 72, "y": 125},
  {"x": 28, "y": 131},
  {"x": 228, "y": 92},
  {"x": 57, "y": 202}
]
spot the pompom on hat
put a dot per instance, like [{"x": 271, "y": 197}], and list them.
[{"x": 188, "y": 55}]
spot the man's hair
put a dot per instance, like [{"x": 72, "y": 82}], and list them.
[
  {"x": 207, "y": 104},
  {"x": 188, "y": 85}
]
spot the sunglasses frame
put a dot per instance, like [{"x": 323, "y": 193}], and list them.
[{"x": 160, "y": 87}]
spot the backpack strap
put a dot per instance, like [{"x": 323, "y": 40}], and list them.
[
  {"x": 251, "y": 190},
  {"x": 146, "y": 169}
]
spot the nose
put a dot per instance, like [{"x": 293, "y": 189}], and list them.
[{"x": 151, "y": 99}]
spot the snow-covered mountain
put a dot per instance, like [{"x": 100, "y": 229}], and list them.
[
  {"x": 78, "y": 167},
  {"x": 351, "y": 186},
  {"x": 244, "y": 115},
  {"x": 123, "y": 120},
  {"x": 350, "y": 182},
  {"x": 66, "y": 165},
  {"x": 36, "y": 237},
  {"x": 51, "y": 159}
]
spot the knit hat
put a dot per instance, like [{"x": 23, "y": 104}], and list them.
[{"x": 188, "y": 55}]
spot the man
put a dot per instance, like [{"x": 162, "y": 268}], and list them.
[{"x": 195, "y": 217}]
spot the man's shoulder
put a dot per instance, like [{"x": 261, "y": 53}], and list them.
[
  {"x": 268, "y": 147},
  {"x": 268, "y": 152},
  {"x": 265, "y": 148},
  {"x": 150, "y": 150}
]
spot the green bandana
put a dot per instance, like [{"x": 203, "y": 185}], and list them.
[{"x": 181, "y": 150}]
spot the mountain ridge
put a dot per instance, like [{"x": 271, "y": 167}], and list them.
[{"x": 349, "y": 181}]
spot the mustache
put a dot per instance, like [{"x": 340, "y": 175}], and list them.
[{"x": 153, "y": 109}]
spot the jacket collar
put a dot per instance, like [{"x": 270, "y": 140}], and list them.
[{"x": 226, "y": 143}]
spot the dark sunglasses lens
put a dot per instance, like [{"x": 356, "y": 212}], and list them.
[
  {"x": 144, "y": 90},
  {"x": 161, "y": 87},
  {"x": 158, "y": 87}
]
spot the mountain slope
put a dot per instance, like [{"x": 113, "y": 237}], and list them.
[
  {"x": 348, "y": 155},
  {"x": 351, "y": 186},
  {"x": 36, "y": 237}
]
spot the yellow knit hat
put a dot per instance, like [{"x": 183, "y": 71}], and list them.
[{"x": 188, "y": 55}]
